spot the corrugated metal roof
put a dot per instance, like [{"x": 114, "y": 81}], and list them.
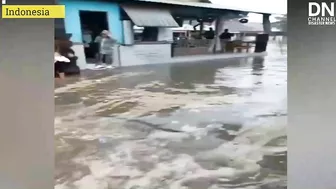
[
  {"x": 150, "y": 17},
  {"x": 260, "y": 10}
]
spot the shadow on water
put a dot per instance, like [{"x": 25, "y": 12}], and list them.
[
  {"x": 196, "y": 73},
  {"x": 258, "y": 65}
]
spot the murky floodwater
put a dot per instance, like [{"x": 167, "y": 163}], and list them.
[{"x": 210, "y": 125}]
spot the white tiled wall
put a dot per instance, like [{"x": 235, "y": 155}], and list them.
[
  {"x": 141, "y": 54},
  {"x": 79, "y": 51}
]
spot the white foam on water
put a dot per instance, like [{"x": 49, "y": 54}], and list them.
[
  {"x": 90, "y": 182},
  {"x": 147, "y": 162},
  {"x": 163, "y": 135},
  {"x": 89, "y": 83},
  {"x": 234, "y": 159}
]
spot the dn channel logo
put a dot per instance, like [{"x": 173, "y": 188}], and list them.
[{"x": 321, "y": 14}]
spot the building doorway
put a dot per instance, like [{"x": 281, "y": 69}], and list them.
[{"x": 92, "y": 24}]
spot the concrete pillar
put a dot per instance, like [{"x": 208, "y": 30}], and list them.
[
  {"x": 267, "y": 23},
  {"x": 128, "y": 32},
  {"x": 216, "y": 45},
  {"x": 216, "y": 36},
  {"x": 201, "y": 27}
]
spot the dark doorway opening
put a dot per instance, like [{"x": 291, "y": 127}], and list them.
[
  {"x": 59, "y": 27},
  {"x": 92, "y": 23}
]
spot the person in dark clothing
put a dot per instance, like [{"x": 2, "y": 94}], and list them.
[
  {"x": 64, "y": 49},
  {"x": 226, "y": 35},
  {"x": 59, "y": 67},
  {"x": 60, "y": 64},
  {"x": 71, "y": 68},
  {"x": 209, "y": 34}
]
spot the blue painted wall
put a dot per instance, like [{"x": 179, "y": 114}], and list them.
[{"x": 72, "y": 20}]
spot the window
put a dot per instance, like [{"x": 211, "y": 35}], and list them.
[{"x": 150, "y": 34}]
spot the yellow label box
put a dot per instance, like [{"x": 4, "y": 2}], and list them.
[{"x": 33, "y": 11}]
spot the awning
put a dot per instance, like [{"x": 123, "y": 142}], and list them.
[{"x": 150, "y": 17}]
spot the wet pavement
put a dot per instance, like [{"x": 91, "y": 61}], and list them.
[{"x": 210, "y": 125}]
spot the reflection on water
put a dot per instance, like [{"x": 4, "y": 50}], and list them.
[{"x": 210, "y": 125}]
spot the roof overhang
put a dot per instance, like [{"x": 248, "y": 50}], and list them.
[
  {"x": 214, "y": 6},
  {"x": 187, "y": 11}
]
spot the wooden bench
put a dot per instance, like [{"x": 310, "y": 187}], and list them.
[{"x": 240, "y": 47}]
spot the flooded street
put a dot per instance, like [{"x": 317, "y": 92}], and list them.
[{"x": 210, "y": 125}]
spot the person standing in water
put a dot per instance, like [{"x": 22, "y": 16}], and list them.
[
  {"x": 60, "y": 63},
  {"x": 106, "y": 45},
  {"x": 209, "y": 34},
  {"x": 226, "y": 35}
]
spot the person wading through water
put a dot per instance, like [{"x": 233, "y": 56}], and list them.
[
  {"x": 209, "y": 34},
  {"x": 226, "y": 35},
  {"x": 106, "y": 45}
]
